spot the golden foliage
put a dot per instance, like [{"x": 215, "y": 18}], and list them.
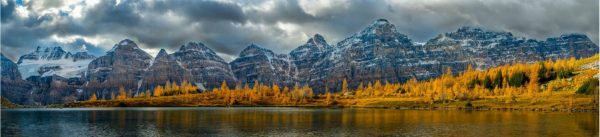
[{"x": 507, "y": 83}]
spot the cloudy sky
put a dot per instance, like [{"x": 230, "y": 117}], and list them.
[{"x": 227, "y": 26}]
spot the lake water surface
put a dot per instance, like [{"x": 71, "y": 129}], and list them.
[{"x": 278, "y": 121}]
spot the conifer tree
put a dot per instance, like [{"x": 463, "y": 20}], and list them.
[
  {"x": 93, "y": 98},
  {"x": 158, "y": 91},
  {"x": 122, "y": 93},
  {"x": 345, "y": 86}
]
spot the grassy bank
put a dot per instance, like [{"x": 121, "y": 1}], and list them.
[{"x": 559, "y": 102}]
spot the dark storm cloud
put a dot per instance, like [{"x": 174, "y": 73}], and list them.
[
  {"x": 201, "y": 10},
  {"x": 229, "y": 26},
  {"x": 163, "y": 32},
  {"x": 283, "y": 11},
  {"x": 7, "y": 11},
  {"x": 109, "y": 13}
]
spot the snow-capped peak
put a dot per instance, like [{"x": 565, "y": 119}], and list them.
[
  {"x": 124, "y": 42},
  {"x": 54, "y": 61},
  {"x": 49, "y": 53},
  {"x": 381, "y": 21}
]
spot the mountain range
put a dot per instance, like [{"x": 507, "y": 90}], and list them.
[{"x": 378, "y": 52}]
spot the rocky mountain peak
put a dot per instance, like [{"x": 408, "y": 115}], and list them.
[
  {"x": 162, "y": 53},
  {"x": 205, "y": 65},
  {"x": 54, "y": 61},
  {"x": 82, "y": 56},
  {"x": 193, "y": 46},
  {"x": 381, "y": 21},
  {"x": 380, "y": 27},
  {"x": 49, "y": 53},
  {"x": 123, "y": 66},
  {"x": 381, "y": 31},
  {"x": 476, "y": 33},
  {"x": 258, "y": 63},
  {"x": 316, "y": 39},
  {"x": 314, "y": 45},
  {"x": 126, "y": 45},
  {"x": 254, "y": 49},
  {"x": 54, "y": 49},
  {"x": 470, "y": 36},
  {"x": 196, "y": 50},
  {"x": 164, "y": 68},
  {"x": 9, "y": 69},
  {"x": 571, "y": 37}
]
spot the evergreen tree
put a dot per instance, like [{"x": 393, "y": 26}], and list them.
[
  {"x": 345, "y": 86},
  {"x": 498, "y": 79},
  {"x": 487, "y": 82},
  {"x": 158, "y": 91},
  {"x": 93, "y": 98}
]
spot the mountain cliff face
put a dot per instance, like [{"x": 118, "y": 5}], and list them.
[
  {"x": 375, "y": 53},
  {"x": 13, "y": 87},
  {"x": 10, "y": 70},
  {"x": 164, "y": 68},
  {"x": 54, "y": 90},
  {"x": 124, "y": 66},
  {"x": 485, "y": 49},
  {"x": 54, "y": 61},
  {"x": 257, "y": 63},
  {"x": 378, "y": 52},
  {"x": 206, "y": 67},
  {"x": 305, "y": 56}
]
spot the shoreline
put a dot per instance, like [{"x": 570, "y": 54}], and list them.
[{"x": 475, "y": 108}]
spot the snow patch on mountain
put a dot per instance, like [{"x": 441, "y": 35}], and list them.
[{"x": 63, "y": 67}]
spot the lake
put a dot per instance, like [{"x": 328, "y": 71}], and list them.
[{"x": 282, "y": 121}]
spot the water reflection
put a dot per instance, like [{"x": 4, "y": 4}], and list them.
[{"x": 292, "y": 122}]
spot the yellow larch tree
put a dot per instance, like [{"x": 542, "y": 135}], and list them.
[
  {"x": 345, "y": 86},
  {"x": 93, "y": 98},
  {"x": 122, "y": 93},
  {"x": 158, "y": 91}
]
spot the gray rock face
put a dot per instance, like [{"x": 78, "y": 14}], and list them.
[
  {"x": 379, "y": 52},
  {"x": 47, "y": 87},
  {"x": 568, "y": 45},
  {"x": 485, "y": 49},
  {"x": 164, "y": 68},
  {"x": 368, "y": 55},
  {"x": 54, "y": 53},
  {"x": 205, "y": 65},
  {"x": 305, "y": 56},
  {"x": 13, "y": 87},
  {"x": 82, "y": 56},
  {"x": 10, "y": 70},
  {"x": 54, "y": 90},
  {"x": 257, "y": 63},
  {"x": 124, "y": 65},
  {"x": 50, "y": 53}
]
